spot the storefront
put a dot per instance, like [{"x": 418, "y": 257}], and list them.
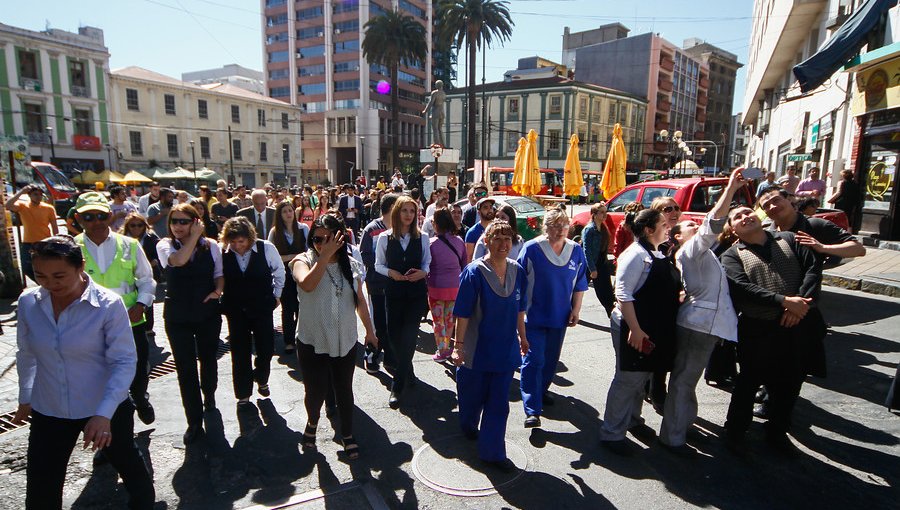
[{"x": 876, "y": 105}]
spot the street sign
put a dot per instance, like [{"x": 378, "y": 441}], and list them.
[{"x": 799, "y": 157}]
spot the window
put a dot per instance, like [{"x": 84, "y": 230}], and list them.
[
  {"x": 284, "y": 121},
  {"x": 410, "y": 78},
  {"x": 278, "y": 19},
  {"x": 278, "y": 56},
  {"x": 202, "y": 109},
  {"x": 310, "y": 32},
  {"x": 134, "y": 139},
  {"x": 169, "y": 100},
  {"x": 83, "y": 122},
  {"x": 172, "y": 145},
  {"x": 618, "y": 203},
  {"x": 311, "y": 51},
  {"x": 261, "y": 117},
  {"x": 346, "y": 26},
  {"x": 512, "y": 142},
  {"x": 650, "y": 193},
  {"x": 412, "y": 9},
  {"x": 131, "y": 99},
  {"x": 344, "y": 67},
  {"x": 623, "y": 114},
  {"x": 315, "y": 70},
  {"x": 235, "y": 114},
  {"x": 204, "y": 147},
  {"x": 582, "y": 108},
  {"x": 286, "y": 152},
  {"x": 263, "y": 151},
  {"x": 553, "y": 144},
  {"x": 279, "y": 74},
  {"x": 555, "y": 105},
  {"x": 279, "y": 91},
  {"x": 276, "y": 38},
  {"x": 28, "y": 65},
  {"x": 346, "y": 85},
  {"x": 595, "y": 111},
  {"x": 345, "y": 6},
  {"x": 613, "y": 107},
  {"x": 275, "y": 3},
  {"x": 312, "y": 12},
  {"x": 77, "y": 76},
  {"x": 311, "y": 88},
  {"x": 513, "y": 108},
  {"x": 351, "y": 125},
  {"x": 346, "y": 104},
  {"x": 34, "y": 119},
  {"x": 236, "y": 150},
  {"x": 346, "y": 46}
]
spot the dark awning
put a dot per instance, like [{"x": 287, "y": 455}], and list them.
[{"x": 843, "y": 45}]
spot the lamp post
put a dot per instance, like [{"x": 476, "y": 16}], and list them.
[
  {"x": 708, "y": 142},
  {"x": 284, "y": 156},
  {"x": 194, "y": 162},
  {"x": 362, "y": 159},
  {"x": 52, "y": 148},
  {"x": 674, "y": 140}
]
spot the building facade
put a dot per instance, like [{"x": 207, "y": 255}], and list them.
[
  {"x": 232, "y": 74},
  {"x": 555, "y": 108},
  {"x": 723, "y": 66},
  {"x": 738, "y": 139},
  {"x": 313, "y": 58},
  {"x": 246, "y": 137},
  {"x": 53, "y": 90},
  {"x": 675, "y": 85}
]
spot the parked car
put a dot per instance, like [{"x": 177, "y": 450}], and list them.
[
  {"x": 696, "y": 196},
  {"x": 529, "y": 214}
]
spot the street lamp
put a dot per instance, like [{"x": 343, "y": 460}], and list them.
[
  {"x": 194, "y": 161},
  {"x": 671, "y": 141},
  {"x": 284, "y": 156},
  {"x": 362, "y": 159},
  {"x": 52, "y": 148}
]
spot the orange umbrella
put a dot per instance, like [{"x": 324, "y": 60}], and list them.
[
  {"x": 519, "y": 181},
  {"x": 614, "y": 170},
  {"x": 572, "y": 178},
  {"x": 532, "y": 166}
]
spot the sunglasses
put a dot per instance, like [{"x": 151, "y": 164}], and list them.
[
  {"x": 670, "y": 208},
  {"x": 481, "y": 194},
  {"x": 319, "y": 239},
  {"x": 181, "y": 221},
  {"x": 54, "y": 247},
  {"x": 88, "y": 217},
  {"x": 136, "y": 225}
]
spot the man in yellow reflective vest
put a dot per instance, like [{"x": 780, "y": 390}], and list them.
[{"x": 118, "y": 263}]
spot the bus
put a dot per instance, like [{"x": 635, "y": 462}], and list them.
[{"x": 501, "y": 180}]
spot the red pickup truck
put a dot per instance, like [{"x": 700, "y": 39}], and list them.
[{"x": 696, "y": 196}]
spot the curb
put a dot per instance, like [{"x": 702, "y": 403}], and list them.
[{"x": 872, "y": 286}]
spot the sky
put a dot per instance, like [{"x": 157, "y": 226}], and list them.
[{"x": 176, "y": 36}]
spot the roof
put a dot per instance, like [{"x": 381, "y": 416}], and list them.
[
  {"x": 556, "y": 81},
  {"x": 139, "y": 73}
]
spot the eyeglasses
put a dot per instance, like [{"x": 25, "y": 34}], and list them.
[
  {"x": 181, "y": 221},
  {"x": 89, "y": 217},
  {"x": 319, "y": 239},
  {"x": 670, "y": 208},
  {"x": 136, "y": 225}
]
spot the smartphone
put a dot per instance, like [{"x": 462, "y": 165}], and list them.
[
  {"x": 647, "y": 346},
  {"x": 752, "y": 173},
  {"x": 408, "y": 272}
]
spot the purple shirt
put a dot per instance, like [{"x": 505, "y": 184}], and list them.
[
  {"x": 807, "y": 186},
  {"x": 446, "y": 262}
]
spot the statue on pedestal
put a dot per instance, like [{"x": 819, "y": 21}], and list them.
[{"x": 436, "y": 104}]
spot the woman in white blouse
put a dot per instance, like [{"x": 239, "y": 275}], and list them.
[
  {"x": 330, "y": 284},
  {"x": 706, "y": 318}
]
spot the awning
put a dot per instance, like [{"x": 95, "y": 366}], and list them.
[{"x": 843, "y": 45}]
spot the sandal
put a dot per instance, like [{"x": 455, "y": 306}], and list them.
[
  {"x": 351, "y": 449},
  {"x": 309, "y": 437}
]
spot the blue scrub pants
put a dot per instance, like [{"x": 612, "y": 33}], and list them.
[
  {"x": 539, "y": 365},
  {"x": 484, "y": 397}
]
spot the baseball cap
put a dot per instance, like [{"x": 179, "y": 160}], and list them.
[
  {"x": 485, "y": 199},
  {"x": 91, "y": 201}
]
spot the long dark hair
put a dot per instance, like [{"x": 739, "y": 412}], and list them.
[
  {"x": 333, "y": 224},
  {"x": 648, "y": 218},
  {"x": 511, "y": 214},
  {"x": 280, "y": 241}
]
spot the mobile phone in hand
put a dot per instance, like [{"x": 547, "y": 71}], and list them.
[
  {"x": 647, "y": 346},
  {"x": 408, "y": 272}
]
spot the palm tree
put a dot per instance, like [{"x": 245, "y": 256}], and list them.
[
  {"x": 392, "y": 39},
  {"x": 478, "y": 22}
]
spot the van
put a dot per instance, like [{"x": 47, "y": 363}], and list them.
[{"x": 52, "y": 182}]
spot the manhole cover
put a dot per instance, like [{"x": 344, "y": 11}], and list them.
[{"x": 451, "y": 465}]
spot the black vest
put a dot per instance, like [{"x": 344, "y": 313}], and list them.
[
  {"x": 402, "y": 261},
  {"x": 186, "y": 288},
  {"x": 297, "y": 246},
  {"x": 248, "y": 292}
]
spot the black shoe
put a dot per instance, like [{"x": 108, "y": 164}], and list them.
[
  {"x": 373, "y": 368},
  {"x": 532, "y": 422},
  {"x": 761, "y": 410},
  {"x": 548, "y": 399},
  {"x": 761, "y": 395},
  {"x": 209, "y": 403},
  {"x": 643, "y": 432},
  {"x": 658, "y": 401},
  {"x": 99, "y": 458},
  {"x": 145, "y": 412},
  {"x": 264, "y": 390},
  {"x": 193, "y": 433},
  {"x": 471, "y": 435},
  {"x": 620, "y": 447},
  {"x": 504, "y": 466},
  {"x": 394, "y": 401}
]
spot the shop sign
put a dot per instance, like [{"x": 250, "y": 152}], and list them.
[
  {"x": 876, "y": 88},
  {"x": 86, "y": 143},
  {"x": 799, "y": 157},
  {"x": 813, "y": 135},
  {"x": 826, "y": 125}
]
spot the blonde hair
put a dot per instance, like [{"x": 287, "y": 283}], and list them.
[
  {"x": 660, "y": 202},
  {"x": 553, "y": 215}
]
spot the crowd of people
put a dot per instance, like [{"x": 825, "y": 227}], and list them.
[{"x": 677, "y": 292}]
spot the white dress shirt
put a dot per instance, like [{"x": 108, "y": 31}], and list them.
[
  {"x": 79, "y": 365},
  {"x": 707, "y": 307},
  {"x": 164, "y": 248},
  {"x": 381, "y": 251},
  {"x": 273, "y": 260},
  {"x": 104, "y": 254}
]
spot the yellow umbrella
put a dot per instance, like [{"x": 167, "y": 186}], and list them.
[
  {"x": 532, "y": 166},
  {"x": 614, "y": 170},
  {"x": 134, "y": 177},
  {"x": 519, "y": 181},
  {"x": 89, "y": 177},
  {"x": 572, "y": 178}
]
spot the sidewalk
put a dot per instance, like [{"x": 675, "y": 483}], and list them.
[{"x": 878, "y": 272}]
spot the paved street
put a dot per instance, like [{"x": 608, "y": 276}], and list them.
[{"x": 414, "y": 457}]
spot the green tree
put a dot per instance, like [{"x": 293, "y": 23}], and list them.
[
  {"x": 477, "y": 22},
  {"x": 392, "y": 39}
]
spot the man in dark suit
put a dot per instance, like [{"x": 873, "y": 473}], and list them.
[
  {"x": 350, "y": 207},
  {"x": 262, "y": 217}
]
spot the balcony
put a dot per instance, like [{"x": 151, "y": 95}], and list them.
[
  {"x": 702, "y": 99},
  {"x": 663, "y": 105},
  {"x": 700, "y": 135},
  {"x": 80, "y": 91},
  {"x": 701, "y": 116},
  {"x": 659, "y": 146},
  {"x": 31, "y": 84},
  {"x": 665, "y": 84},
  {"x": 660, "y": 125},
  {"x": 704, "y": 83},
  {"x": 667, "y": 63}
]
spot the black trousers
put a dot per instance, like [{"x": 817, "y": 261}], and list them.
[
  {"x": 403, "y": 317},
  {"x": 192, "y": 342},
  {"x": 290, "y": 309},
  {"x": 603, "y": 288},
  {"x": 245, "y": 334},
  {"x": 379, "y": 321},
  {"x": 322, "y": 374},
  {"x": 142, "y": 373},
  {"x": 50, "y": 444},
  {"x": 767, "y": 355}
]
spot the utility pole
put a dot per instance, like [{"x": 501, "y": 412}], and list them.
[{"x": 231, "y": 155}]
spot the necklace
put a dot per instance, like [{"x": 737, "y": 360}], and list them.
[{"x": 338, "y": 289}]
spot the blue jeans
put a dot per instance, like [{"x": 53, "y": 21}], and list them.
[
  {"x": 539, "y": 365},
  {"x": 25, "y": 257}
]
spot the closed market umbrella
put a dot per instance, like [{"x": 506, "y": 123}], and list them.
[
  {"x": 519, "y": 180},
  {"x": 573, "y": 181},
  {"x": 614, "y": 170},
  {"x": 532, "y": 164}
]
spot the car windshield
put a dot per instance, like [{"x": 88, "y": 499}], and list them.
[
  {"x": 56, "y": 178},
  {"x": 524, "y": 205}
]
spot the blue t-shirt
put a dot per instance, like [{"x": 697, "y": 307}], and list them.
[
  {"x": 474, "y": 233},
  {"x": 492, "y": 341},
  {"x": 552, "y": 279}
]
